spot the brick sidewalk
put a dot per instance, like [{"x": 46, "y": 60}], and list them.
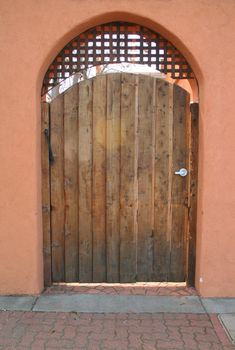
[{"x": 38, "y": 330}]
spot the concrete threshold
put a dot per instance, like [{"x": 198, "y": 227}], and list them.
[
  {"x": 17, "y": 303},
  {"x": 103, "y": 303},
  {"x": 118, "y": 304}
]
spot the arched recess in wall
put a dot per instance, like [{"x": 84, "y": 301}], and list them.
[
  {"x": 117, "y": 43},
  {"x": 94, "y": 53}
]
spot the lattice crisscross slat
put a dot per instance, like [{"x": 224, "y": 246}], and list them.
[{"x": 116, "y": 42}]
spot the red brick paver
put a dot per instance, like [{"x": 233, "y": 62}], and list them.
[
  {"x": 150, "y": 288},
  {"x": 44, "y": 330}
]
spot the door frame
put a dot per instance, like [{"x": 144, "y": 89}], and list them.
[{"x": 193, "y": 194}]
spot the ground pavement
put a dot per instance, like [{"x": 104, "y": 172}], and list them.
[{"x": 31, "y": 329}]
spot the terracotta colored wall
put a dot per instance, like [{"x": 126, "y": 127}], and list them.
[{"x": 32, "y": 32}]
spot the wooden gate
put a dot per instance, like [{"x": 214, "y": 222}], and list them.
[{"x": 113, "y": 208}]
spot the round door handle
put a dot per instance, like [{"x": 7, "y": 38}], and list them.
[{"x": 182, "y": 172}]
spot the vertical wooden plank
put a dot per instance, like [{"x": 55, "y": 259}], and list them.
[
  {"x": 128, "y": 191},
  {"x": 99, "y": 177},
  {"x": 179, "y": 185},
  {"x": 146, "y": 100},
  {"x": 85, "y": 180},
  {"x": 57, "y": 188},
  {"x": 113, "y": 177},
  {"x": 194, "y": 126},
  {"x": 163, "y": 178},
  {"x": 187, "y": 191},
  {"x": 70, "y": 184},
  {"x": 46, "y": 203}
]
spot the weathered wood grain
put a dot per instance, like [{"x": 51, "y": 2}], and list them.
[
  {"x": 163, "y": 179},
  {"x": 179, "y": 200},
  {"x": 113, "y": 177},
  {"x": 128, "y": 191},
  {"x": 46, "y": 202},
  {"x": 99, "y": 179},
  {"x": 71, "y": 183},
  {"x": 85, "y": 180},
  {"x": 57, "y": 189},
  {"x": 146, "y": 105}
]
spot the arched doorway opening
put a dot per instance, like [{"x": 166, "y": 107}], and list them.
[
  {"x": 92, "y": 53},
  {"x": 165, "y": 248}
]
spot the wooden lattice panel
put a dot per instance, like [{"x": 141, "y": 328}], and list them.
[{"x": 116, "y": 42}]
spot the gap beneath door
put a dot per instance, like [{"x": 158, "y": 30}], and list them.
[{"x": 140, "y": 288}]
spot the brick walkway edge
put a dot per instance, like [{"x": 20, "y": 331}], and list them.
[{"x": 90, "y": 331}]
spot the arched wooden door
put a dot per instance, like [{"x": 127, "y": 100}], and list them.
[{"x": 114, "y": 209}]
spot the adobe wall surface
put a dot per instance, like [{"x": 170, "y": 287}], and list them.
[{"x": 32, "y": 33}]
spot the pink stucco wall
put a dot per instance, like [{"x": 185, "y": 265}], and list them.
[{"x": 32, "y": 32}]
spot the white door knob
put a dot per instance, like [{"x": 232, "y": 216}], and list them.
[{"x": 182, "y": 172}]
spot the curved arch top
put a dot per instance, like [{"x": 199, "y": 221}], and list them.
[{"x": 116, "y": 42}]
